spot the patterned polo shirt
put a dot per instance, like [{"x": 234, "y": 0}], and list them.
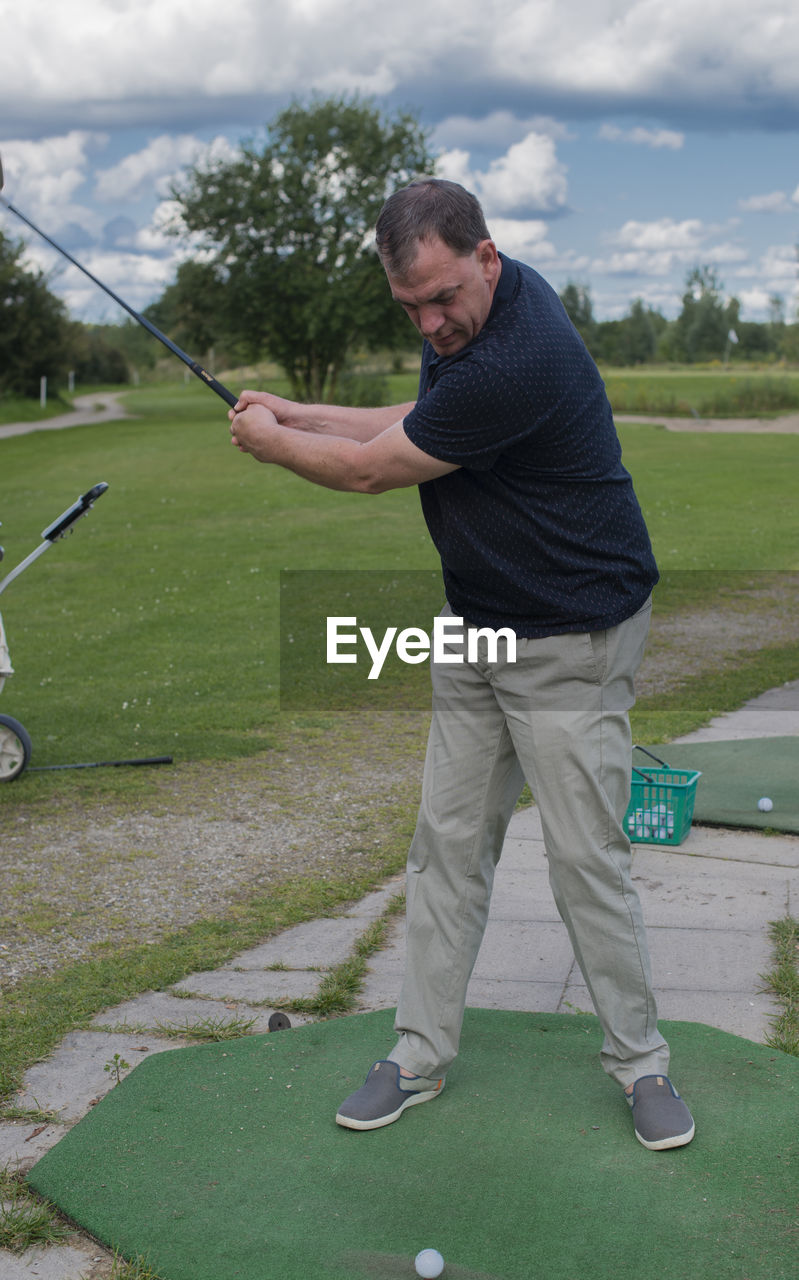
[{"x": 540, "y": 528}]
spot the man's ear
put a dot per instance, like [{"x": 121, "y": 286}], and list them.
[{"x": 488, "y": 257}]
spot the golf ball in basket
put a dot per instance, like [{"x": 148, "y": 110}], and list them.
[
  {"x": 429, "y": 1264},
  {"x": 765, "y": 805}
]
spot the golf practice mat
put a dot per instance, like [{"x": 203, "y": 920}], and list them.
[
  {"x": 735, "y": 775},
  {"x": 224, "y": 1161}
]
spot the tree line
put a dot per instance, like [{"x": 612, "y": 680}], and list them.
[
  {"x": 708, "y": 328},
  {"x": 283, "y": 268}
]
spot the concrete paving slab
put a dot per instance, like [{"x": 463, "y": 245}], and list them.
[
  {"x": 390, "y": 961},
  {"x": 75, "y": 1076},
  {"x": 157, "y": 1009},
  {"x": 713, "y": 894},
  {"x": 690, "y": 960},
  {"x": 774, "y": 714},
  {"x": 741, "y": 1013},
  {"x": 374, "y": 904},
  {"x": 734, "y": 846},
  {"x": 84, "y": 1260},
  {"x": 252, "y": 986},
  {"x": 317, "y": 944},
  {"x": 524, "y": 951},
  {"x": 22, "y": 1144},
  {"x": 708, "y": 918},
  {"x": 518, "y": 897},
  {"x": 525, "y": 825},
  {"x": 380, "y": 991},
  {"x": 524, "y": 853},
  {"x": 519, "y": 997}
]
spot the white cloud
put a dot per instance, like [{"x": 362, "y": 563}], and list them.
[
  {"x": 527, "y": 178},
  {"x": 135, "y": 277},
  {"x": 772, "y": 202},
  {"x": 495, "y": 130},
  {"x": 778, "y": 265},
  {"x": 643, "y": 137},
  {"x": 42, "y": 178},
  {"x": 500, "y": 81},
  {"x": 661, "y": 247},
  {"x": 644, "y": 49},
  {"x": 662, "y": 234},
  {"x": 725, "y": 54},
  {"x": 152, "y": 168},
  {"x": 523, "y": 239}
]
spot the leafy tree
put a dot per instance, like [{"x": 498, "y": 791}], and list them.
[
  {"x": 776, "y": 310},
  {"x": 285, "y": 229},
  {"x": 132, "y": 340},
  {"x": 576, "y": 298},
  {"x": 34, "y": 328},
  {"x": 701, "y": 330},
  {"x": 95, "y": 355},
  {"x": 755, "y": 341},
  {"x": 189, "y": 310},
  {"x": 631, "y": 340}
]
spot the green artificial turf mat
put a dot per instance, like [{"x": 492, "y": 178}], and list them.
[
  {"x": 224, "y": 1161},
  {"x": 735, "y": 774}
]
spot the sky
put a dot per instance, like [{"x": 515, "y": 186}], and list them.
[{"x": 614, "y": 144}]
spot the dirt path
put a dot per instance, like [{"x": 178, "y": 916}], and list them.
[
  {"x": 101, "y": 407},
  {"x": 786, "y": 425}
]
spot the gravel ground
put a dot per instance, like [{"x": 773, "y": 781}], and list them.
[
  {"x": 204, "y": 838},
  {"x": 698, "y": 641}
]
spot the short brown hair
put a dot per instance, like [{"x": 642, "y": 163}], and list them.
[{"x": 426, "y": 208}]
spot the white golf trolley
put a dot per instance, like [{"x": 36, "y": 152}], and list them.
[{"x": 15, "y": 743}]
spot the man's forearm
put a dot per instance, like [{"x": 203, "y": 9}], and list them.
[
  {"x": 333, "y": 461},
  {"x": 388, "y": 461},
  {"x": 352, "y": 424}
]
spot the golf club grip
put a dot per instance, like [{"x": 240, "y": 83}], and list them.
[
  {"x": 218, "y": 387},
  {"x": 80, "y": 508}
]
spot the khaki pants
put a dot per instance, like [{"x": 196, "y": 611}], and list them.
[{"x": 558, "y": 717}]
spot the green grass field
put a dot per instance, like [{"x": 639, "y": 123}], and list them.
[{"x": 153, "y": 628}]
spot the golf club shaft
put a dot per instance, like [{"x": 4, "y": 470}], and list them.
[
  {"x": 196, "y": 369},
  {"x": 101, "y": 764}
]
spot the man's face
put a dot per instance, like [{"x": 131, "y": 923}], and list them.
[{"x": 448, "y": 297}]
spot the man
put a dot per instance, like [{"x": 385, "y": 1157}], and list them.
[{"x": 513, "y": 446}]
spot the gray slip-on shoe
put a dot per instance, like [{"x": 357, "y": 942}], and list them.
[
  {"x": 660, "y": 1116},
  {"x": 384, "y": 1096}
]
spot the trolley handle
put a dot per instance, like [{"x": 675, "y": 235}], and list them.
[{"x": 80, "y": 508}]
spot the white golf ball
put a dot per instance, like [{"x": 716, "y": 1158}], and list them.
[
  {"x": 429, "y": 1264},
  {"x": 765, "y": 805}
]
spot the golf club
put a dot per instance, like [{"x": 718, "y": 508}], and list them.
[{"x": 196, "y": 369}]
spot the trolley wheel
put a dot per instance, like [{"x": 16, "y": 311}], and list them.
[{"x": 15, "y": 748}]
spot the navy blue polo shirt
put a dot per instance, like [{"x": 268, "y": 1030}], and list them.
[{"x": 539, "y": 529}]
